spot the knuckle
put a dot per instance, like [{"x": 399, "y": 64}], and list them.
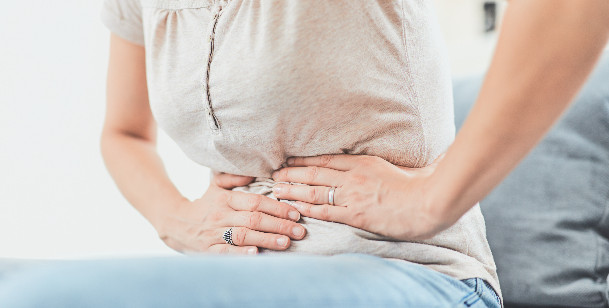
[
  {"x": 253, "y": 202},
  {"x": 325, "y": 160},
  {"x": 280, "y": 210},
  {"x": 313, "y": 194},
  {"x": 239, "y": 235},
  {"x": 324, "y": 213},
  {"x": 305, "y": 209},
  {"x": 254, "y": 220},
  {"x": 287, "y": 189},
  {"x": 265, "y": 240},
  {"x": 227, "y": 196},
  {"x": 311, "y": 173},
  {"x": 283, "y": 227}
]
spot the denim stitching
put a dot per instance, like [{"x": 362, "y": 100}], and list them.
[
  {"x": 495, "y": 295},
  {"x": 477, "y": 291},
  {"x": 464, "y": 298}
]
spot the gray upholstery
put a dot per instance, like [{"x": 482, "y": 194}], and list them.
[{"x": 548, "y": 221}]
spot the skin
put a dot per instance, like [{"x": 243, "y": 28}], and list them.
[
  {"x": 128, "y": 145},
  {"x": 545, "y": 51}
]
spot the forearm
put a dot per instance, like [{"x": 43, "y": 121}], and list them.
[
  {"x": 546, "y": 50},
  {"x": 139, "y": 173}
]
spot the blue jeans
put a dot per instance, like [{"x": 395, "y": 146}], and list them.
[{"x": 347, "y": 280}]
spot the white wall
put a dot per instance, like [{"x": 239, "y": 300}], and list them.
[
  {"x": 56, "y": 198},
  {"x": 469, "y": 47}
]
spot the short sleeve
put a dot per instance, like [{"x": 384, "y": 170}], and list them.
[{"x": 124, "y": 18}]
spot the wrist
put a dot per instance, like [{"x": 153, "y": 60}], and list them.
[
  {"x": 162, "y": 219},
  {"x": 438, "y": 205}
]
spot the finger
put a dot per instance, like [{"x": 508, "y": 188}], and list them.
[
  {"x": 266, "y": 223},
  {"x": 229, "y": 181},
  {"x": 306, "y": 193},
  {"x": 341, "y": 162},
  {"x": 245, "y": 237},
  {"x": 439, "y": 158},
  {"x": 243, "y": 201},
  {"x": 230, "y": 249},
  {"x": 312, "y": 175},
  {"x": 323, "y": 212}
]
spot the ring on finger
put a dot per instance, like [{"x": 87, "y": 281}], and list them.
[
  {"x": 331, "y": 195},
  {"x": 228, "y": 236}
]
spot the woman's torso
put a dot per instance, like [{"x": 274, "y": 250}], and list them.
[
  {"x": 266, "y": 80},
  {"x": 298, "y": 78}
]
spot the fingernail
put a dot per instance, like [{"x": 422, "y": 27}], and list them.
[
  {"x": 274, "y": 174},
  {"x": 294, "y": 215},
  {"x": 282, "y": 241},
  {"x": 298, "y": 231},
  {"x": 290, "y": 160},
  {"x": 252, "y": 251}
]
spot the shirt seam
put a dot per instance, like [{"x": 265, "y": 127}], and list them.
[{"x": 122, "y": 27}]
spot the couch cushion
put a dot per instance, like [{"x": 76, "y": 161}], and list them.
[{"x": 548, "y": 221}]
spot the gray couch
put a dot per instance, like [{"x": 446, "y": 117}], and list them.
[{"x": 548, "y": 221}]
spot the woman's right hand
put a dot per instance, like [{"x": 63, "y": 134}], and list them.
[{"x": 257, "y": 221}]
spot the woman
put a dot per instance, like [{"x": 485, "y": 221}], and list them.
[{"x": 358, "y": 95}]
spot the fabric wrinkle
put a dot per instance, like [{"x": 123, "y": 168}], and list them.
[{"x": 239, "y": 87}]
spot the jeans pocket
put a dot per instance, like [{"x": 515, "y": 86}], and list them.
[{"x": 482, "y": 294}]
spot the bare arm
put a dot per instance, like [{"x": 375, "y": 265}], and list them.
[
  {"x": 128, "y": 140},
  {"x": 128, "y": 145},
  {"x": 546, "y": 50}
]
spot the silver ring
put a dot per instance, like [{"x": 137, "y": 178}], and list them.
[
  {"x": 331, "y": 195},
  {"x": 228, "y": 236}
]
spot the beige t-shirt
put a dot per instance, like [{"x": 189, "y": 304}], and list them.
[{"x": 240, "y": 85}]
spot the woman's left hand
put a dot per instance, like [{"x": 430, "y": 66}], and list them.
[{"x": 371, "y": 194}]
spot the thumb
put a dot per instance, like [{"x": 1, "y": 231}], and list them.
[{"x": 229, "y": 180}]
